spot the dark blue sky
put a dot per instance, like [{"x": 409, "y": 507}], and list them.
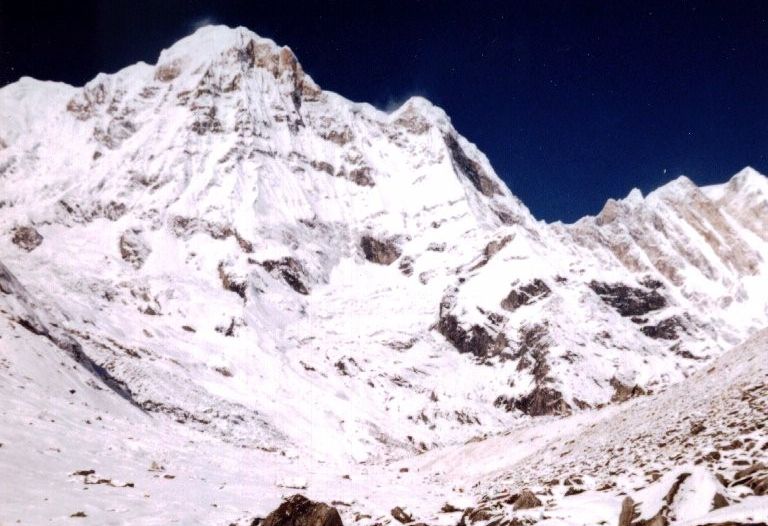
[{"x": 573, "y": 102}]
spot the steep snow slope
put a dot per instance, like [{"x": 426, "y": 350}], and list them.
[
  {"x": 707, "y": 432},
  {"x": 70, "y": 446},
  {"x": 246, "y": 254},
  {"x": 224, "y": 173}
]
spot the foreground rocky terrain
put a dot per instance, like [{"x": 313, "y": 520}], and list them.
[{"x": 221, "y": 285}]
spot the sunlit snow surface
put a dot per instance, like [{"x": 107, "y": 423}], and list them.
[{"x": 155, "y": 187}]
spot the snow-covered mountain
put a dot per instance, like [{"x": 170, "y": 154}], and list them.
[{"x": 223, "y": 247}]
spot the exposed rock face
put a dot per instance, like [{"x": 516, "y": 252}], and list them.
[
  {"x": 290, "y": 271},
  {"x": 476, "y": 340},
  {"x": 470, "y": 168},
  {"x": 377, "y": 251},
  {"x": 134, "y": 248},
  {"x": 492, "y": 248},
  {"x": 542, "y": 401},
  {"x": 26, "y": 238},
  {"x": 525, "y": 295},
  {"x": 300, "y": 511},
  {"x": 167, "y": 72},
  {"x": 361, "y": 176},
  {"x": 629, "y": 301},
  {"x": 83, "y": 213},
  {"x": 666, "y": 329},
  {"x": 231, "y": 282},
  {"x": 719, "y": 501},
  {"x": 532, "y": 353}
]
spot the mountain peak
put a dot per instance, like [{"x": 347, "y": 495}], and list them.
[
  {"x": 211, "y": 40},
  {"x": 748, "y": 178},
  {"x": 235, "y": 47}
]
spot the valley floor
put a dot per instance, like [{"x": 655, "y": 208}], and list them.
[{"x": 71, "y": 450}]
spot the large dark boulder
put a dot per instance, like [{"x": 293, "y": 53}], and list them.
[
  {"x": 401, "y": 515},
  {"x": 300, "y": 511}
]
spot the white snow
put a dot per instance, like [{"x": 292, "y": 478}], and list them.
[{"x": 186, "y": 207}]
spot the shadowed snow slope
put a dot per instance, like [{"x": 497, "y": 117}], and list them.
[{"x": 233, "y": 256}]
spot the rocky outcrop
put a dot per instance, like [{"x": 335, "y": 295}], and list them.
[
  {"x": 526, "y": 500},
  {"x": 134, "y": 248},
  {"x": 168, "y": 72},
  {"x": 540, "y": 401},
  {"x": 755, "y": 477},
  {"x": 401, "y": 516},
  {"x": 623, "y": 392},
  {"x": 406, "y": 266},
  {"x": 470, "y": 168},
  {"x": 377, "y": 251},
  {"x": 475, "y": 340},
  {"x": 627, "y": 514},
  {"x": 290, "y": 271},
  {"x": 493, "y": 247},
  {"x": 629, "y": 301},
  {"x": 84, "y": 105},
  {"x": 87, "y": 212},
  {"x": 115, "y": 133},
  {"x": 26, "y": 238},
  {"x": 666, "y": 329},
  {"x": 361, "y": 176},
  {"x": 526, "y": 295},
  {"x": 231, "y": 282},
  {"x": 300, "y": 511},
  {"x": 186, "y": 227}
]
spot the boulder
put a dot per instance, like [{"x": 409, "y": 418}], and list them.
[
  {"x": 627, "y": 512},
  {"x": 400, "y": 515},
  {"x": 300, "y": 511},
  {"x": 754, "y": 477},
  {"x": 26, "y": 238},
  {"x": 377, "y": 251},
  {"x": 526, "y": 500}
]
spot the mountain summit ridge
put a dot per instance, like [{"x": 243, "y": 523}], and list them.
[{"x": 373, "y": 255}]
